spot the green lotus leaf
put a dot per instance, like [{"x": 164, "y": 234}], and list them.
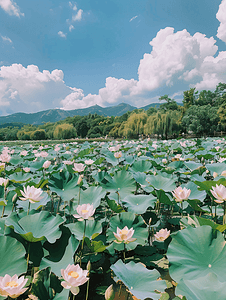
[
  {"x": 12, "y": 257},
  {"x": 192, "y": 165},
  {"x": 36, "y": 227},
  {"x": 139, "y": 203},
  {"x": 161, "y": 183},
  {"x": 130, "y": 220},
  {"x": 202, "y": 288},
  {"x": 92, "y": 226},
  {"x": 140, "y": 281},
  {"x": 60, "y": 256},
  {"x": 141, "y": 166},
  {"x": 216, "y": 167},
  {"x": 20, "y": 177},
  {"x": 141, "y": 179},
  {"x": 16, "y": 159},
  {"x": 195, "y": 193},
  {"x": 65, "y": 185},
  {"x": 92, "y": 195},
  {"x": 122, "y": 183},
  {"x": 110, "y": 158},
  {"x": 194, "y": 252}
]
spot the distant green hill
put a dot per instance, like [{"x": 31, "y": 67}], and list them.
[{"x": 54, "y": 115}]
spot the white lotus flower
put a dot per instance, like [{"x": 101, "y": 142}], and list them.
[
  {"x": 12, "y": 286},
  {"x": 26, "y": 169},
  {"x": 67, "y": 162},
  {"x": 162, "y": 235},
  {"x": 85, "y": 211},
  {"x": 4, "y": 181},
  {"x": 219, "y": 192},
  {"x": 89, "y": 162},
  {"x": 118, "y": 154},
  {"x": 124, "y": 235},
  {"x": 5, "y": 157},
  {"x": 24, "y": 153},
  {"x": 32, "y": 194},
  {"x": 46, "y": 164},
  {"x": 181, "y": 194},
  {"x": 74, "y": 276},
  {"x": 43, "y": 154},
  {"x": 79, "y": 167}
]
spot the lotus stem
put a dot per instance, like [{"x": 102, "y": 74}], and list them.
[
  {"x": 28, "y": 210},
  {"x": 28, "y": 254},
  {"x": 87, "y": 290},
  {"x": 3, "y": 210},
  {"x": 79, "y": 195},
  {"x": 83, "y": 243},
  {"x": 224, "y": 213},
  {"x": 182, "y": 209}
]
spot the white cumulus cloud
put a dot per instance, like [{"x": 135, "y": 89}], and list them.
[
  {"x": 221, "y": 16},
  {"x": 6, "y": 39},
  {"x": 29, "y": 90},
  {"x": 77, "y": 16},
  {"x": 61, "y": 34},
  {"x": 11, "y": 8}
]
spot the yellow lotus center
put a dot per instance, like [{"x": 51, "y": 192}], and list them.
[
  {"x": 123, "y": 231},
  {"x": 12, "y": 283},
  {"x": 84, "y": 211},
  {"x": 161, "y": 238},
  {"x": 73, "y": 274}
]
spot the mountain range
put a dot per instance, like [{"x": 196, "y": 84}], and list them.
[{"x": 54, "y": 115}]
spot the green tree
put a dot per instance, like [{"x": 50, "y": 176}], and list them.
[
  {"x": 163, "y": 124},
  {"x": 189, "y": 98},
  {"x": 202, "y": 120},
  {"x": 64, "y": 131},
  {"x": 170, "y": 104},
  {"x": 38, "y": 134}
]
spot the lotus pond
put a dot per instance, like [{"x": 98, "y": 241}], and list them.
[{"x": 113, "y": 220}]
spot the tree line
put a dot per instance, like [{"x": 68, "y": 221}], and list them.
[{"x": 202, "y": 113}]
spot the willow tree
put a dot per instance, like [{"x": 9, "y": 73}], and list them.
[
  {"x": 163, "y": 124},
  {"x": 134, "y": 126}
]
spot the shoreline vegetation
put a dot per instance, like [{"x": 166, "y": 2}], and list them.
[{"x": 202, "y": 114}]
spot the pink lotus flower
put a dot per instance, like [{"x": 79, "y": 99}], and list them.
[
  {"x": 32, "y": 194},
  {"x": 181, "y": 194},
  {"x": 74, "y": 276},
  {"x": 124, "y": 235},
  {"x": 89, "y": 162},
  {"x": 5, "y": 157},
  {"x": 219, "y": 192},
  {"x": 24, "y": 153},
  {"x": 12, "y": 286},
  {"x": 67, "y": 162},
  {"x": 4, "y": 181},
  {"x": 26, "y": 169},
  {"x": 46, "y": 164},
  {"x": 79, "y": 167},
  {"x": 118, "y": 154},
  {"x": 162, "y": 235},
  {"x": 43, "y": 154},
  {"x": 85, "y": 211}
]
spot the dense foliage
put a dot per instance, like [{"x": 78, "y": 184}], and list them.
[
  {"x": 202, "y": 113},
  {"x": 120, "y": 220}
]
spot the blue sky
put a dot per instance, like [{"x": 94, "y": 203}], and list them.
[{"x": 67, "y": 54}]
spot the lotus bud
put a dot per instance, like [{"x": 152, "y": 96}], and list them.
[
  {"x": 110, "y": 293},
  {"x": 223, "y": 173},
  {"x": 88, "y": 266},
  {"x": 215, "y": 174},
  {"x": 80, "y": 179},
  {"x": 149, "y": 222},
  {"x": 14, "y": 198}
]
